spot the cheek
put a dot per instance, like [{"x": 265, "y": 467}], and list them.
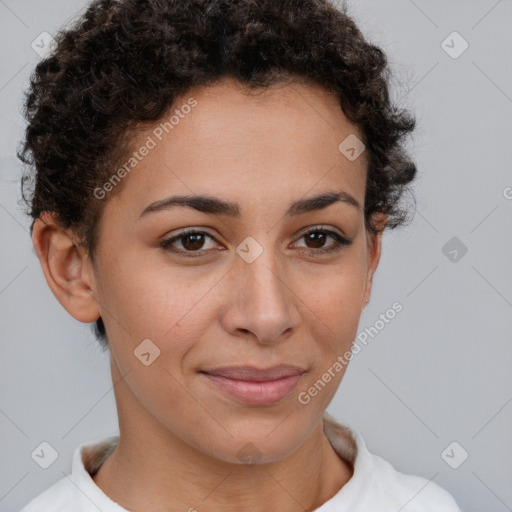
[
  {"x": 155, "y": 302},
  {"x": 167, "y": 311},
  {"x": 335, "y": 296},
  {"x": 335, "y": 309}
]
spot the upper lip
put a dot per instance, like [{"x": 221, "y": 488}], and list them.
[{"x": 256, "y": 374}]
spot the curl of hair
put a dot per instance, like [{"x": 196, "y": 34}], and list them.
[{"x": 124, "y": 63}]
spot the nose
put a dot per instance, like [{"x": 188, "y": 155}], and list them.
[{"x": 262, "y": 303}]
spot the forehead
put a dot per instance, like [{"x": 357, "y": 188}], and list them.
[{"x": 228, "y": 141}]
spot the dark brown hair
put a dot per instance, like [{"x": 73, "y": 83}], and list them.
[{"x": 124, "y": 63}]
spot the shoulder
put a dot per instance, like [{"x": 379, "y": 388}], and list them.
[
  {"x": 376, "y": 484},
  {"x": 56, "y": 498},
  {"x": 77, "y": 491},
  {"x": 413, "y": 493}
]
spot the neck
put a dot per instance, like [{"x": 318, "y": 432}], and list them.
[{"x": 153, "y": 470}]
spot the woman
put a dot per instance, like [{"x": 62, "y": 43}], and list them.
[{"x": 212, "y": 181}]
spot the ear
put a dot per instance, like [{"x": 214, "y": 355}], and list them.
[
  {"x": 66, "y": 267},
  {"x": 374, "y": 245}
]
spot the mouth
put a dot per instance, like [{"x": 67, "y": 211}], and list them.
[{"x": 253, "y": 386}]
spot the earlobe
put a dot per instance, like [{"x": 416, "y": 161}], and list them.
[{"x": 66, "y": 267}]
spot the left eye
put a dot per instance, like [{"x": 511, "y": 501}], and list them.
[
  {"x": 319, "y": 236},
  {"x": 192, "y": 242}
]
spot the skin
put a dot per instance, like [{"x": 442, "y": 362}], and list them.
[{"x": 179, "y": 435}]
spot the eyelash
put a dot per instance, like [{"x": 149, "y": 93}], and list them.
[{"x": 340, "y": 242}]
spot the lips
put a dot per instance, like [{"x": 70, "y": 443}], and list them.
[
  {"x": 254, "y": 386},
  {"x": 256, "y": 374}
]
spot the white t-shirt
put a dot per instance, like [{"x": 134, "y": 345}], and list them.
[{"x": 375, "y": 486}]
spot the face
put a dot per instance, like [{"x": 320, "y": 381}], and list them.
[{"x": 256, "y": 282}]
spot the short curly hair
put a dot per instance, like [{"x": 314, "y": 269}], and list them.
[{"x": 123, "y": 63}]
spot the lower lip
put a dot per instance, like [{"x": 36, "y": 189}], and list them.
[{"x": 255, "y": 393}]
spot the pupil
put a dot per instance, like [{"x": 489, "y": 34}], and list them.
[
  {"x": 192, "y": 246},
  {"x": 320, "y": 238}
]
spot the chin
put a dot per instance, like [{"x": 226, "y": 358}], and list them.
[{"x": 260, "y": 442}]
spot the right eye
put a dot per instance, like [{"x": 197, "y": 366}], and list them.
[{"x": 190, "y": 239}]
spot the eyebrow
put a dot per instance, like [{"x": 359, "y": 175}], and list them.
[{"x": 215, "y": 206}]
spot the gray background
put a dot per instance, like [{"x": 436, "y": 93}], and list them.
[{"x": 439, "y": 372}]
